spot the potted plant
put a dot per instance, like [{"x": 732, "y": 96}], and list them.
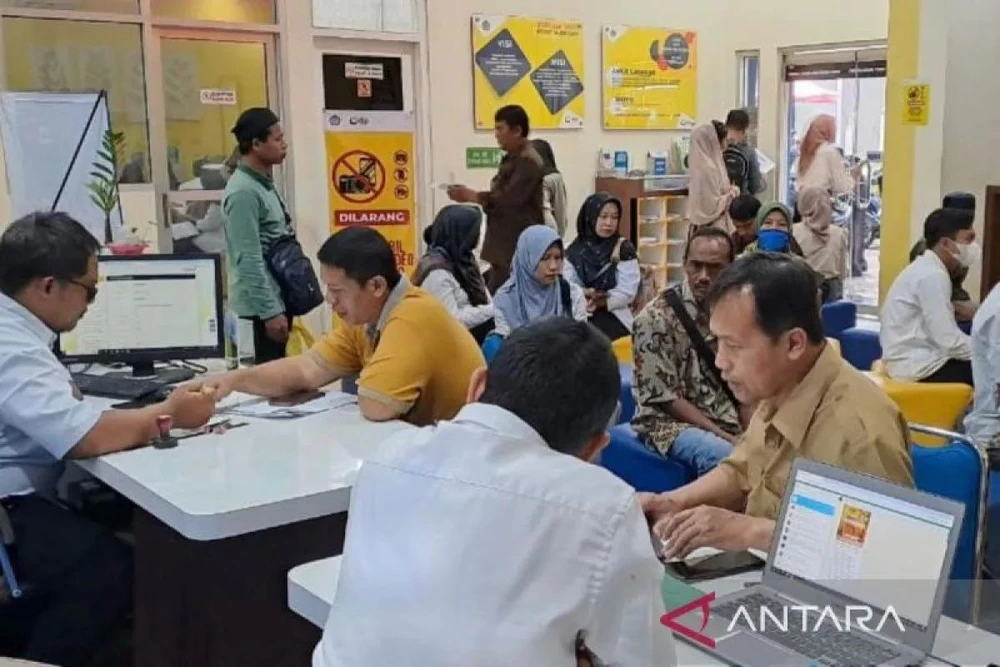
[{"x": 104, "y": 178}]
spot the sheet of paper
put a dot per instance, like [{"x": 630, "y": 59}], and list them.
[
  {"x": 766, "y": 163},
  {"x": 183, "y": 230},
  {"x": 262, "y": 408}
]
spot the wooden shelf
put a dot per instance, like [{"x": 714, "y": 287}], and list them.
[{"x": 657, "y": 244}]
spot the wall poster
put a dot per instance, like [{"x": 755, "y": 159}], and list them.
[
  {"x": 370, "y": 176},
  {"x": 649, "y": 77},
  {"x": 536, "y": 63}
]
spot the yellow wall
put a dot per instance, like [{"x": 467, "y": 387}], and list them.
[
  {"x": 66, "y": 55},
  {"x": 197, "y": 130},
  {"x": 897, "y": 213},
  {"x": 235, "y": 11},
  {"x": 63, "y": 55}
]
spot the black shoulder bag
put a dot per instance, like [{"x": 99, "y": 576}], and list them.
[
  {"x": 565, "y": 297},
  {"x": 293, "y": 271},
  {"x": 699, "y": 342}
]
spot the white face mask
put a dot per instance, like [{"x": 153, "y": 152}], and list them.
[{"x": 969, "y": 254}]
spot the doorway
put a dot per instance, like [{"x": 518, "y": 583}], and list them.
[
  {"x": 849, "y": 84},
  {"x": 208, "y": 79}
]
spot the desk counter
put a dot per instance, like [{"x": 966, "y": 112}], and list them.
[{"x": 266, "y": 474}]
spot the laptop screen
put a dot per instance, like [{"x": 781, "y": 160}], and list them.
[{"x": 874, "y": 548}]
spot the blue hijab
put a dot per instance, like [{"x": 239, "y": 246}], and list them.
[{"x": 523, "y": 299}]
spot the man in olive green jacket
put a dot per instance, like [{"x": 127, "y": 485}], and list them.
[{"x": 254, "y": 217}]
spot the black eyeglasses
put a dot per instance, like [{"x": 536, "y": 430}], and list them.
[{"x": 91, "y": 289}]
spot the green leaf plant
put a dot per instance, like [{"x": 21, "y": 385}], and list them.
[{"x": 104, "y": 177}]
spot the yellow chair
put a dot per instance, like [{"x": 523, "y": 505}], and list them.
[
  {"x": 623, "y": 350},
  {"x": 940, "y": 405}
]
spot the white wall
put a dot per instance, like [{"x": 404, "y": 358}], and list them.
[
  {"x": 970, "y": 148},
  {"x": 723, "y": 26}
]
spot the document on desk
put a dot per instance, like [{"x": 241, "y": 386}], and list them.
[{"x": 262, "y": 408}]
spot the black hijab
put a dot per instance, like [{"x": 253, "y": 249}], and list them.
[
  {"x": 590, "y": 254},
  {"x": 544, "y": 150},
  {"x": 453, "y": 237}
]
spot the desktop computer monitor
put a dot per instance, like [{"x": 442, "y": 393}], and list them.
[{"x": 151, "y": 308}]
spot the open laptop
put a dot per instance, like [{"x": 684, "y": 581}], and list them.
[{"x": 856, "y": 575}]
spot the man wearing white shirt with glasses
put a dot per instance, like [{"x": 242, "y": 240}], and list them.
[{"x": 489, "y": 540}]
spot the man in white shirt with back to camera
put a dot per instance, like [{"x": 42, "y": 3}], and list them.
[
  {"x": 489, "y": 540},
  {"x": 921, "y": 341}
]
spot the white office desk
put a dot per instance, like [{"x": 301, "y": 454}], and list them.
[
  {"x": 312, "y": 587},
  {"x": 267, "y": 474},
  {"x": 221, "y": 519}
]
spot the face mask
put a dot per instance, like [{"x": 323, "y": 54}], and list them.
[
  {"x": 773, "y": 240},
  {"x": 969, "y": 254}
]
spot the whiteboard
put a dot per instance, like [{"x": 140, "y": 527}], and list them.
[{"x": 40, "y": 132}]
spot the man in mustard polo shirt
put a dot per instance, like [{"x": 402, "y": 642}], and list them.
[{"x": 415, "y": 360}]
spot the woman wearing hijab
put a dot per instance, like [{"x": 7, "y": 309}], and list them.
[
  {"x": 709, "y": 189},
  {"x": 774, "y": 230},
  {"x": 536, "y": 288},
  {"x": 824, "y": 245},
  {"x": 605, "y": 265},
  {"x": 820, "y": 164},
  {"x": 553, "y": 187},
  {"x": 449, "y": 270}
]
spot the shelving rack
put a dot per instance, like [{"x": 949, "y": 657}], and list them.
[{"x": 653, "y": 219}]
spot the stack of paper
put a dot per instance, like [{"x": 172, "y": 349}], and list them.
[{"x": 262, "y": 408}]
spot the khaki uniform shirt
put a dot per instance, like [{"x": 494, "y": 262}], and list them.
[{"x": 836, "y": 416}]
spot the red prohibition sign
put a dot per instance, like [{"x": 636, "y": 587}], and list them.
[{"x": 362, "y": 183}]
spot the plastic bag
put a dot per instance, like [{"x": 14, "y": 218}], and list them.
[{"x": 300, "y": 338}]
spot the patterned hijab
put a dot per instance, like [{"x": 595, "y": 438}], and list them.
[
  {"x": 523, "y": 299},
  {"x": 590, "y": 254}
]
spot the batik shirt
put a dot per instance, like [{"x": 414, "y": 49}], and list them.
[{"x": 667, "y": 367}]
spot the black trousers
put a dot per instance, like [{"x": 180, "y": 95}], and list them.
[
  {"x": 265, "y": 349},
  {"x": 954, "y": 371},
  {"x": 78, "y": 583}
]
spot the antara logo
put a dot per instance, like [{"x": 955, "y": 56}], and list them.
[{"x": 800, "y": 617}]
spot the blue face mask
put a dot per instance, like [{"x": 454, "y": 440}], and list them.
[{"x": 773, "y": 240}]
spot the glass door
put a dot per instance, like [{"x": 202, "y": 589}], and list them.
[
  {"x": 850, "y": 86},
  {"x": 208, "y": 80}
]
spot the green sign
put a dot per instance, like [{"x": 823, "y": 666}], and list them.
[{"x": 483, "y": 158}]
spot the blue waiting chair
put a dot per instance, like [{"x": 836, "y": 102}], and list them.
[
  {"x": 860, "y": 347},
  {"x": 491, "y": 346},
  {"x": 838, "y": 316},
  {"x": 626, "y": 400},
  {"x": 643, "y": 469},
  {"x": 959, "y": 471}
]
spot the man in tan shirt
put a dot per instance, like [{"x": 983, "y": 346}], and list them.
[{"x": 771, "y": 349}]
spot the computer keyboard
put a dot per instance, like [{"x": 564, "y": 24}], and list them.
[
  {"x": 825, "y": 644},
  {"x": 114, "y": 386}
]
